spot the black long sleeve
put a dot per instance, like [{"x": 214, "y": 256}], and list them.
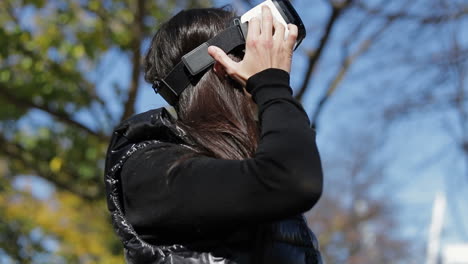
[{"x": 284, "y": 177}]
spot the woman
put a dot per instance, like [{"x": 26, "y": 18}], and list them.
[{"x": 215, "y": 185}]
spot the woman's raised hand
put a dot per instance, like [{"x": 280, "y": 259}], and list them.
[{"x": 264, "y": 49}]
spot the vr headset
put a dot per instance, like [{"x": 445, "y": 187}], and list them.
[{"x": 193, "y": 64}]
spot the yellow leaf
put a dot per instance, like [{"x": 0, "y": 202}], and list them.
[
  {"x": 78, "y": 51},
  {"x": 56, "y": 164}
]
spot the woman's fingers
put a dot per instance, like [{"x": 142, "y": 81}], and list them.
[
  {"x": 220, "y": 56},
  {"x": 262, "y": 51},
  {"x": 279, "y": 31},
  {"x": 267, "y": 23},
  {"x": 292, "y": 37},
  {"x": 254, "y": 28}
]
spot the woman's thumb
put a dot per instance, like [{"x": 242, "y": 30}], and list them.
[{"x": 220, "y": 56}]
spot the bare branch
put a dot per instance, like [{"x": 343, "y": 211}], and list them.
[
  {"x": 248, "y": 2},
  {"x": 138, "y": 28},
  {"x": 435, "y": 19},
  {"x": 315, "y": 56},
  {"x": 419, "y": 103},
  {"x": 345, "y": 67}
]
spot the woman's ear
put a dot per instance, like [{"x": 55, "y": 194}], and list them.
[{"x": 219, "y": 70}]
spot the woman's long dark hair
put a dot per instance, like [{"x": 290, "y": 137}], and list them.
[{"x": 216, "y": 112}]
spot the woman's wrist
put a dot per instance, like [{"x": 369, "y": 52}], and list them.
[{"x": 269, "y": 84}]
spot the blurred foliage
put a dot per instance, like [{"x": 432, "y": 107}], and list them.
[
  {"x": 49, "y": 55},
  {"x": 63, "y": 226}
]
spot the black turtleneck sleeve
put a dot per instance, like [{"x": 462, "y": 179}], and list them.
[{"x": 284, "y": 178}]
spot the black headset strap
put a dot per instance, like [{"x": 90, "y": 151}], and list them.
[{"x": 198, "y": 60}]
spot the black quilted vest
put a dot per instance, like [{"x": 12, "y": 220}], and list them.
[{"x": 289, "y": 241}]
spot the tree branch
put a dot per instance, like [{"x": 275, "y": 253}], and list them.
[
  {"x": 345, "y": 66},
  {"x": 315, "y": 56},
  {"x": 435, "y": 19},
  {"x": 138, "y": 27},
  {"x": 248, "y": 2},
  {"x": 407, "y": 106},
  {"x": 60, "y": 115},
  {"x": 14, "y": 151},
  {"x": 84, "y": 86}
]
